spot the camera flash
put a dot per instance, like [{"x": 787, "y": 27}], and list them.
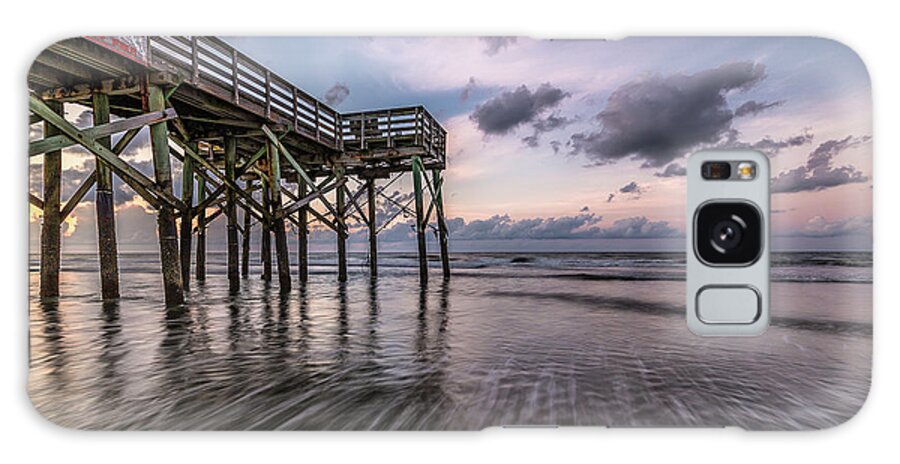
[{"x": 746, "y": 170}]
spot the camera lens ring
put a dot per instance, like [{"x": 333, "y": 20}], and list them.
[
  {"x": 727, "y": 234},
  {"x": 742, "y": 216}
]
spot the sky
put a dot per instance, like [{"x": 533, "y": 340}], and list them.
[{"x": 576, "y": 145}]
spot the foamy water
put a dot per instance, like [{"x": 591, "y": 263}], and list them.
[{"x": 511, "y": 340}]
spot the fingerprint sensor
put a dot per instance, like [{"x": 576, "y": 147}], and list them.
[{"x": 721, "y": 304}]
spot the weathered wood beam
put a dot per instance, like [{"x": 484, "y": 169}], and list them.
[
  {"x": 117, "y": 86},
  {"x": 228, "y": 183},
  {"x": 240, "y": 123},
  {"x": 303, "y": 202},
  {"x": 234, "y": 279},
  {"x": 245, "y": 242},
  {"x": 352, "y": 197},
  {"x": 130, "y": 175},
  {"x": 324, "y": 220},
  {"x": 265, "y": 248},
  {"x": 373, "y": 231},
  {"x": 37, "y": 202},
  {"x": 86, "y": 185},
  {"x": 168, "y": 233},
  {"x": 420, "y": 226},
  {"x": 79, "y": 194},
  {"x": 200, "y": 264},
  {"x": 104, "y": 204},
  {"x": 58, "y": 142},
  {"x": 51, "y": 222},
  {"x": 302, "y": 235},
  {"x": 403, "y": 210},
  {"x": 240, "y": 172},
  {"x": 300, "y": 171},
  {"x": 342, "y": 232},
  {"x": 59, "y": 63},
  {"x": 281, "y": 249},
  {"x": 187, "y": 219},
  {"x": 438, "y": 201}
]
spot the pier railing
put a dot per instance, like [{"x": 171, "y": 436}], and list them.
[
  {"x": 218, "y": 68},
  {"x": 392, "y": 130}
]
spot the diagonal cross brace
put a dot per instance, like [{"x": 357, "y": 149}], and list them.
[
  {"x": 89, "y": 182},
  {"x": 238, "y": 173},
  {"x": 302, "y": 202},
  {"x": 78, "y": 195},
  {"x": 300, "y": 171},
  {"x": 207, "y": 167},
  {"x": 204, "y": 171},
  {"x": 139, "y": 182},
  {"x": 58, "y": 142}
]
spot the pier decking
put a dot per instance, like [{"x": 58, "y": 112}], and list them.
[{"x": 238, "y": 128}]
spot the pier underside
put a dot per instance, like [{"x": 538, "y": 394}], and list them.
[{"x": 248, "y": 141}]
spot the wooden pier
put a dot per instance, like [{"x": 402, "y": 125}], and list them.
[{"x": 237, "y": 129}]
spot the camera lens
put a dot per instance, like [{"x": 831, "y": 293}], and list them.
[{"x": 728, "y": 233}]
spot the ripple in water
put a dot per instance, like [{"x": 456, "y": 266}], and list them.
[{"x": 479, "y": 351}]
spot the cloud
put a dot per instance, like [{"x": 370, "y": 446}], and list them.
[
  {"x": 71, "y": 178},
  {"x": 819, "y": 173},
  {"x": 818, "y": 226},
  {"x": 672, "y": 170},
  {"x": 610, "y": 198},
  {"x": 503, "y": 113},
  {"x": 657, "y": 119},
  {"x": 584, "y": 209},
  {"x": 555, "y": 145},
  {"x": 337, "y": 94},
  {"x": 753, "y": 107},
  {"x": 583, "y": 225},
  {"x": 548, "y": 124},
  {"x": 497, "y": 44},
  {"x": 85, "y": 119},
  {"x": 637, "y": 227},
  {"x": 468, "y": 89},
  {"x": 767, "y": 144},
  {"x": 502, "y": 227},
  {"x": 631, "y": 187}
]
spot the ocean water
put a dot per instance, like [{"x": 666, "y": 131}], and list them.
[{"x": 511, "y": 339}]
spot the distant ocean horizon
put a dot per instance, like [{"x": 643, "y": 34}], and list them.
[{"x": 790, "y": 266}]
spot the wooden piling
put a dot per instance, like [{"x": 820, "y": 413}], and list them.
[
  {"x": 373, "y": 229},
  {"x": 420, "y": 219},
  {"x": 281, "y": 247},
  {"x": 104, "y": 205},
  {"x": 148, "y": 99},
  {"x": 187, "y": 218},
  {"x": 234, "y": 280},
  {"x": 51, "y": 223},
  {"x": 438, "y": 200},
  {"x": 302, "y": 235},
  {"x": 200, "y": 265},
  {"x": 245, "y": 239},
  {"x": 168, "y": 234},
  {"x": 341, "y": 208},
  {"x": 265, "y": 243}
]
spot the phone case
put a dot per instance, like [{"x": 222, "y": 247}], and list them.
[{"x": 257, "y": 233}]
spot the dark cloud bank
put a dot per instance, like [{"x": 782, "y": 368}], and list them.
[
  {"x": 658, "y": 119},
  {"x": 511, "y": 109},
  {"x": 819, "y": 171},
  {"x": 583, "y": 225}
]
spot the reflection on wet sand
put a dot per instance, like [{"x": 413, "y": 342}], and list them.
[{"x": 464, "y": 354}]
